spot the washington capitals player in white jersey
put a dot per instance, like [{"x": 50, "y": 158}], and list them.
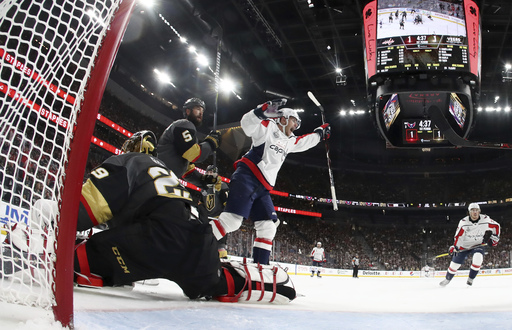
[
  {"x": 318, "y": 256},
  {"x": 474, "y": 233},
  {"x": 272, "y": 136}
]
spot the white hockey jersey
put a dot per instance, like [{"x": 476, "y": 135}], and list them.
[
  {"x": 270, "y": 147},
  {"x": 318, "y": 254},
  {"x": 471, "y": 233}
]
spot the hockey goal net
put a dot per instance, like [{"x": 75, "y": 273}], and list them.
[{"x": 55, "y": 58}]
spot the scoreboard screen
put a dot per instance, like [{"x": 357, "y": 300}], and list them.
[
  {"x": 421, "y": 37},
  {"x": 420, "y": 131},
  {"x": 419, "y": 54}
]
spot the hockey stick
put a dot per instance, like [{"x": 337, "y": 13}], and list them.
[
  {"x": 331, "y": 177},
  {"x": 439, "y": 119},
  {"x": 217, "y": 84},
  {"x": 471, "y": 248}
]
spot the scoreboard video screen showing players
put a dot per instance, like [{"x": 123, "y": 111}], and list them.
[
  {"x": 411, "y": 45},
  {"x": 411, "y": 38}
]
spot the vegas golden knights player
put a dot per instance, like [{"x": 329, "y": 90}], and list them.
[
  {"x": 154, "y": 232},
  {"x": 213, "y": 197}
]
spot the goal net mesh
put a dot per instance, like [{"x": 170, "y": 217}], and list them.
[{"x": 47, "y": 52}]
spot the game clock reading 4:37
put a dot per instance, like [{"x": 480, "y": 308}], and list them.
[
  {"x": 421, "y": 131},
  {"x": 422, "y": 52}
]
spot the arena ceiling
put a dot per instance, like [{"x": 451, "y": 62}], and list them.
[{"x": 288, "y": 47}]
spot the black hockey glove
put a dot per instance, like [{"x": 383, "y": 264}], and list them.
[
  {"x": 487, "y": 236},
  {"x": 269, "y": 109},
  {"x": 214, "y": 138},
  {"x": 324, "y": 131}
]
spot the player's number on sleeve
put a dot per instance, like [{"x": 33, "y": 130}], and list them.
[
  {"x": 100, "y": 173},
  {"x": 187, "y": 137}
]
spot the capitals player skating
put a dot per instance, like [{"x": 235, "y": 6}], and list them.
[
  {"x": 271, "y": 131},
  {"x": 318, "y": 257},
  {"x": 473, "y": 234}
]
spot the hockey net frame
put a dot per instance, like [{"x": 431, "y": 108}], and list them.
[{"x": 55, "y": 59}]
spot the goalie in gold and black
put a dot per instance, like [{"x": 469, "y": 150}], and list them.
[
  {"x": 151, "y": 221},
  {"x": 155, "y": 231}
]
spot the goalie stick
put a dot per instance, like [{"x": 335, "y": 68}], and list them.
[
  {"x": 441, "y": 122},
  {"x": 331, "y": 177}
]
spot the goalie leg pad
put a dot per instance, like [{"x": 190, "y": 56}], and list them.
[{"x": 249, "y": 282}]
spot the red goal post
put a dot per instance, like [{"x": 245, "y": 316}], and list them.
[{"x": 55, "y": 59}]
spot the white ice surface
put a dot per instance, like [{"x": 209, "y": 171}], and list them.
[{"x": 329, "y": 302}]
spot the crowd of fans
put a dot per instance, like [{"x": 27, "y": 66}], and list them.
[
  {"x": 383, "y": 247},
  {"x": 29, "y": 166}
]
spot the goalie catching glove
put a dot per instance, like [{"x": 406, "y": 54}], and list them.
[
  {"x": 270, "y": 109},
  {"x": 324, "y": 131},
  {"x": 249, "y": 282}
]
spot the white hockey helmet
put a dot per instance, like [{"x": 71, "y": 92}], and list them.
[
  {"x": 287, "y": 113},
  {"x": 319, "y": 243},
  {"x": 473, "y": 206}
]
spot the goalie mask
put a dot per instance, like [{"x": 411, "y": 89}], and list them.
[{"x": 143, "y": 142}]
